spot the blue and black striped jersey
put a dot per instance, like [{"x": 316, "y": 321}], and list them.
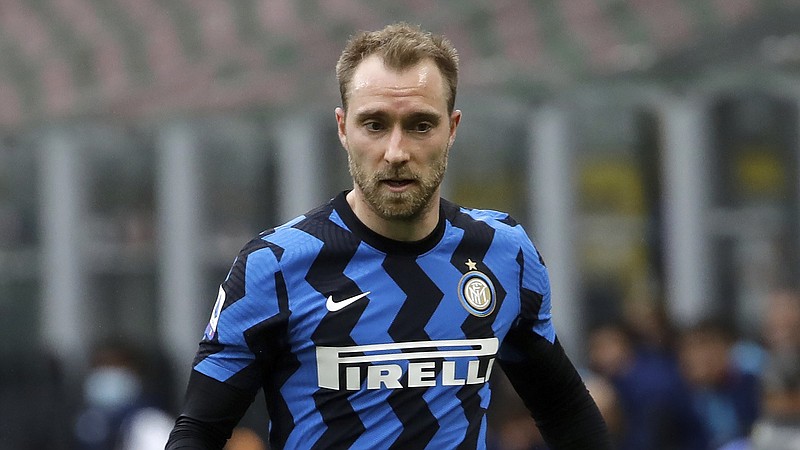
[{"x": 360, "y": 341}]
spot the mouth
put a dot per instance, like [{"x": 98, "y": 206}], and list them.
[{"x": 397, "y": 184}]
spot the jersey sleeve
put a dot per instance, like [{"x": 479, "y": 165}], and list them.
[
  {"x": 535, "y": 313},
  {"x": 244, "y": 335},
  {"x": 540, "y": 371},
  {"x": 251, "y": 301}
]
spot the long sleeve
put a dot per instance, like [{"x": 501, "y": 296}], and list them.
[
  {"x": 210, "y": 412},
  {"x": 555, "y": 394},
  {"x": 540, "y": 371}
]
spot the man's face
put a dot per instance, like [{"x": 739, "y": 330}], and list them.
[{"x": 397, "y": 134}]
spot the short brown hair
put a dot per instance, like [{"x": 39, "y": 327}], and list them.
[{"x": 401, "y": 46}]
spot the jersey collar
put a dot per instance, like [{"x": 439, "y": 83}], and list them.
[{"x": 383, "y": 243}]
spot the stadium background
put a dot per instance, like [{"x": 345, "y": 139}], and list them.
[{"x": 649, "y": 146}]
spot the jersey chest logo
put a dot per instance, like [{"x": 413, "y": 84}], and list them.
[
  {"x": 476, "y": 291},
  {"x": 406, "y": 364},
  {"x": 334, "y": 306}
]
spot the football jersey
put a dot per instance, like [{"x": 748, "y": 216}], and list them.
[{"x": 360, "y": 341}]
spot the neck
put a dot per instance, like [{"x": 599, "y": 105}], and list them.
[{"x": 408, "y": 230}]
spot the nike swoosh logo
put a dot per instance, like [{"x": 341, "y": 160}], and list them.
[{"x": 336, "y": 306}]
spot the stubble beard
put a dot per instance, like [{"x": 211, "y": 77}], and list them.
[{"x": 406, "y": 205}]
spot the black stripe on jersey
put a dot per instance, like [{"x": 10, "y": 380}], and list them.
[
  {"x": 422, "y": 299},
  {"x": 510, "y": 221},
  {"x": 382, "y": 243},
  {"x": 474, "y": 245},
  {"x": 276, "y": 249},
  {"x": 207, "y": 348},
  {"x": 471, "y": 402},
  {"x": 268, "y": 341},
  {"x": 234, "y": 284},
  {"x": 419, "y": 424},
  {"x": 530, "y": 301},
  {"x": 326, "y": 275},
  {"x": 234, "y": 290}
]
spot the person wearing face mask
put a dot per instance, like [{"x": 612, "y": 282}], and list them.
[{"x": 118, "y": 413}]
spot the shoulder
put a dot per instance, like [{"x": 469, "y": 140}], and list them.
[
  {"x": 463, "y": 214},
  {"x": 505, "y": 229},
  {"x": 297, "y": 238},
  {"x": 501, "y": 223}
]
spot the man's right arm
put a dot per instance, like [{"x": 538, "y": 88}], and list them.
[{"x": 211, "y": 411}]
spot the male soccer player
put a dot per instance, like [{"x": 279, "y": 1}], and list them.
[{"x": 375, "y": 320}]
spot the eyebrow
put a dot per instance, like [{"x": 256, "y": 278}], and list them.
[
  {"x": 423, "y": 117},
  {"x": 417, "y": 116},
  {"x": 370, "y": 114}
]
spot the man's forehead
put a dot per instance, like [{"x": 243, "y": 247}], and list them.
[{"x": 372, "y": 74}]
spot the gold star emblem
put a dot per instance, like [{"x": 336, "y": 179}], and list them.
[{"x": 472, "y": 265}]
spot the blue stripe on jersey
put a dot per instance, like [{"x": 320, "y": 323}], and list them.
[
  {"x": 446, "y": 277},
  {"x": 482, "y": 436},
  {"x": 535, "y": 278},
  {"x": 381, "y": 309},
  {"x": 309, "y": 425},
  {"x": 291, "y": 223},
  {"x": 383, "y": 423},
  {"x": 301, "y": 249},
  {"x": 337, "y": 219},
  {"x": 241, "y": 315},
  {"x": 422, "y": 298},
  {"x": 443, "y": 407},
  {"x": 497, "y": 253},
  {"x": 298, "y": 245}
]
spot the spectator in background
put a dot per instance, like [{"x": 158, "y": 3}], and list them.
[
  {"x": 653, "y": 399},
  {"x": 650, "y": 327},
  {"x": 779, "y": 428},
  {"x": 607, "y": 399},
  {"x": 118, "y": 412},
  {"x": 725, "y": 397},
  {"x": 518, "y": 433},
  {"x": 512, "y": 428}
]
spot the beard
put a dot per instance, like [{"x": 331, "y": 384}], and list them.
[{"x": 405, "y": 205}]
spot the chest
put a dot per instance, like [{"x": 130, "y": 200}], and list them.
[{"x": 376, "y": 299}]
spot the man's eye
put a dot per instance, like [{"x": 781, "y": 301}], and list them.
[
  {"x": 373, "y": 126},
  {"x": 423, "y": 127}
]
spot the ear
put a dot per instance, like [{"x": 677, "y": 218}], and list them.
[
  {"x": 455, "y": 119},
  {"x": 340, "y": 114}
]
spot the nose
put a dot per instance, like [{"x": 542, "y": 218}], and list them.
[{"x": 396, "y": 152}]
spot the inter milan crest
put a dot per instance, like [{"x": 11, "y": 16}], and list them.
[{"x": 476, "y": 291}]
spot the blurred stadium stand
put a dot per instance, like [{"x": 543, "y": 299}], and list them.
[
  {"x": 650, "y": 146},
  {"x": 123, "y": 59}
]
